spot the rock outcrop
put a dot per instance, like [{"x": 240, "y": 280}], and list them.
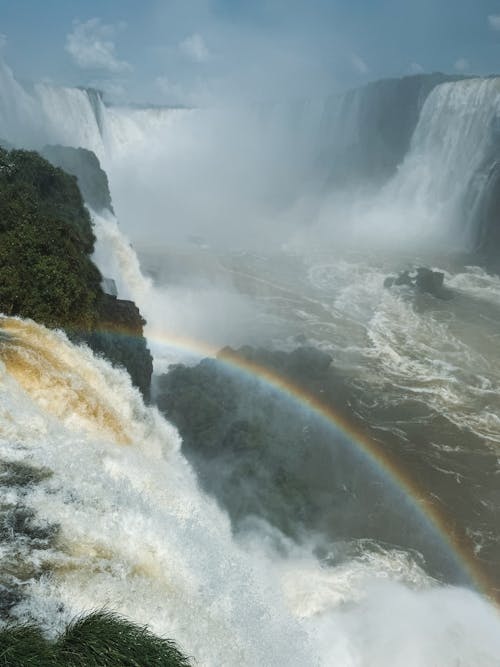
[
  {"x": 82, "y": 163},
  {"x": 424, "y": 280},
  {"x": 118, "y": 334},
  {"x": 46, "y": 272}
]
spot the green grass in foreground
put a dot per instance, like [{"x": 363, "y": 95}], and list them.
[{"x": 101, "y": 639}]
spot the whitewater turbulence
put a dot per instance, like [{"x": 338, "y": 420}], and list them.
[
  {"x": 325, "y": 170},
  {"x": 99, "y": 505},
  {"x": 130, "y": 530}
]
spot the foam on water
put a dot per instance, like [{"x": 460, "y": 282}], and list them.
[
  {"x": 138, "y": 536},
  {"x": 443, "y": 353},
  {"x": 135, "y": 532}
]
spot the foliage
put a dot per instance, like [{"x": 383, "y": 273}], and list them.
[
  {"x": 45, "y": 238},
  {"x": 101, "y": 639},
  {"x": 84, "y": 164}
]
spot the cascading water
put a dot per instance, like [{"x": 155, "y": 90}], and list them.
[
  {"x": 74, "y": 117},
  {"x": 436, "y": 198},
  {"x": 135, "y": 534},
  {"x": 455, "y": 135},
  {"x": 116, "y": 519}
]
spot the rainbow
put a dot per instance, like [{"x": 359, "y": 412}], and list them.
[{"x": 459, "y": 546}]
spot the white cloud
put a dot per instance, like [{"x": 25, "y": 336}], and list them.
[
  {"x": 91, "y": 46},
  {"x": 415, "y": 68},
  {"x": 462, "y": 65},
  {"x": 494, "y": 21},
  {"x": 359, "y": 64},
  {"x": 194, "y": 48},
  {"x": 3, "y": 41}
]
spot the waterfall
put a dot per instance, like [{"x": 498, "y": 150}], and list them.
[
  {"x": 455, "y": 141},
  {"x": 116, "y": 520},
  {"x": 45, "y": 114},
  {"x": 100, "y": 509}
]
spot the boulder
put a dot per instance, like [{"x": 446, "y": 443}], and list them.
[{"x": 424, "y": 280}]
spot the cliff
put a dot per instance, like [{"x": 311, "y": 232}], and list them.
[
  {"x": 377, "y": 122},
  {"x": 46, "y": 272},
  {"x": 82, "y": 163},
  {"x": 119, "y": 336}
]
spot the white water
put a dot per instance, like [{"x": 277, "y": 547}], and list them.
[
  {"x": 452, "y": 138},
  {"x": 408, "y": 346},
  {"x": 74, "y": 117},
  {"x": 139, "y": 537},
  {"x": 432, "y": 200},
  {"x": 253, "y": 171},
  {"x": 137, "y": 534}
]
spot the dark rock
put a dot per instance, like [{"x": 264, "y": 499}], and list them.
[
  {"x": 379, "y": 120},
  {"x": 258, "y": 452},
  {"x": 403, "y": 279},
  {"x": 429, "y": 281},
  {"x": 82, "y": 163},
  {"x": 425, "y": 280},
  {"x": 389, "y": 282},
  {"x": 118, "y": 335},
  {"x": 46, "y": 272}
]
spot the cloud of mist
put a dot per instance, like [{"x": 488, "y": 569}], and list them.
[{"x": 230, "y": 176}]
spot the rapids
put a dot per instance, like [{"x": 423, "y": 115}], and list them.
[
  {"x": 135, "y": 534},
  {"x": 99, "y": 506}
]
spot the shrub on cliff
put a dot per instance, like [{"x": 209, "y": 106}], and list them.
[{"x": 45, "y": 240}]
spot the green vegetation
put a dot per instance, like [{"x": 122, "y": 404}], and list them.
[
  {"x": 45, "y": 240},
  {"x": 101, "y": 639},
  {"x": 84, "y": 164},
  {"x": 46, "y": 273}
]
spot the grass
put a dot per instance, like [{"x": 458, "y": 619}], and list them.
[{"x": 101, "y": 639}]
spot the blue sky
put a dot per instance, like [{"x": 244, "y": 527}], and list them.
[{"x": 197, "y": 51}]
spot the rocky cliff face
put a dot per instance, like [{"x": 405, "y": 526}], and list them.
[
  {"x": 82, "y": 163},
  {"x": 118, "y": 332},
  {"x": 118, "y": 335},
  {"x": 46, "y": 272},
  {"x": 375, "y": 124}
]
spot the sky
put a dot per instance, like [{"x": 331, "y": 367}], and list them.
[{"x": 195, "y": 52}]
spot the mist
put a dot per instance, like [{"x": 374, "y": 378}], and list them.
[{"x": 270, "y": 165}]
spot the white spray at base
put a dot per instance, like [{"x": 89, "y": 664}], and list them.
[
  {"x": 138, "y": 536},
  {"x": 173, "y": 311},
  {"x": 433, "y": 199}
]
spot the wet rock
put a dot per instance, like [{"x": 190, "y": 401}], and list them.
[
  {"x": 424, "y": 280},
  {"x": 119, "y": 336}
]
